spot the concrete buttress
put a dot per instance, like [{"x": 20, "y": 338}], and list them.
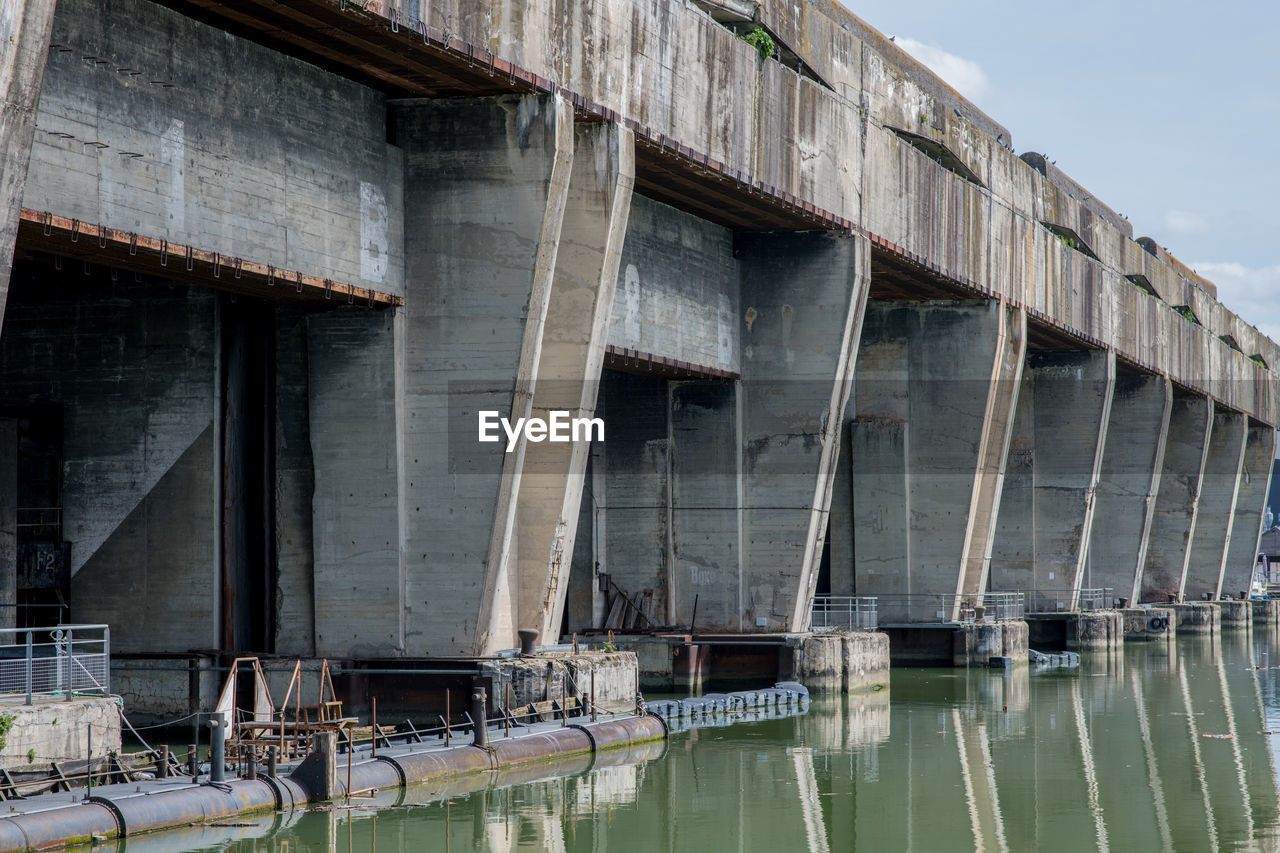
[
  {"x": 803, "y": 298},
  {"x": 24, "y": 48},
  {"x": 1174, "y": 521},
  {"x": 1251, "y": 499},
  {"x": 1215, "y": 515},
  {"x": 568, "y": 369},
  {"x": 486, "y": 183},
  {"x": 1049, "y": 498},
  {"x": 1130, "y": 481},
  {"x": 936, "y": 390}
]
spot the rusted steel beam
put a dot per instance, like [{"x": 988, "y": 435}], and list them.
[
  {"x": 98, "y": 244},
  {"x": 633, "y": 361}
]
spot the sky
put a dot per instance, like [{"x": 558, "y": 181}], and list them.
[{"x": 1167, "y": 112}]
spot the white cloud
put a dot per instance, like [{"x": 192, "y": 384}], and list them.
[
  {"x": 963, "y": 75},
  {"x": 1252, "y": 293},
  {"x": 1185, "y": 224}
]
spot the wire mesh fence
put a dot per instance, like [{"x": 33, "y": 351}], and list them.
[{"x": 62, "y": 660}]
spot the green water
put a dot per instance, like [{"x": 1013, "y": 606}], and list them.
[{"x": 1113, "y": 756}]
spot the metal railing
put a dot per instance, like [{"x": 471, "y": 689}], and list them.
[
  {"x": 1069, "y": 601},
  {"x": 925, "y": 608},
  {"x": 62, "y": 660},
  {"x": 843, "y": 612}
]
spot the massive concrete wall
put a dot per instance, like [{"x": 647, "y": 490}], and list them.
[
  {"x": 156, "y": 124},
  {"x": 24, "y": 32},
  {"x": 136, "y": 389},
  {"x": 672, "y": 69}
]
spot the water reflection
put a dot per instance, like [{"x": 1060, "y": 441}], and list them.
[{"x": 1162, "y": 747}]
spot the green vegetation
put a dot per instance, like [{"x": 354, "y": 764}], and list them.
[
  {"x": 760, "y": 39},
  {"x": 1069, "y": 242},
  {"x": 6, "y": 725},
  {"x": 1187, "y": 313},
  {"x": 1258, "y": 360}
]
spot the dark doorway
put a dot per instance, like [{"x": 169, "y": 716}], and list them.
[{"x": 246, "y": 454}]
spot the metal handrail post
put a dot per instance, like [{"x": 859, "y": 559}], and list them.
[
  {"x": 70, "y": 652},
  {"x": 29, "y": 660},
  {"x": 106, "y": 659}
]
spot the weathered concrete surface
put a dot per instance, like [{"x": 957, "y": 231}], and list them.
[
  {"x": 357, "y": 566},
  {"x": 975, "y": 645},
  {"x": 486, "y": 186},
  {"x": 1130, "y": 481},
  {"x": 24, "y": 35},
  {"x": 1197, "y": 618},
  {"x": 934, "y": 399},
  {"x": 803, "y": 300},
  {"x": 1235, "y": 615},
  {"x": 1216, "y": 510},
  {"x": 1101, "y": 630},
  {"x": 678, "y": 290},
  {"x": 1169, "y": 544},
  {"x": 834, "y": 663},
  {"x": 1055, "y": 459},
  {"x": 53, "y": 729},
  {"x": 1149, "y": 624},
  {"x": 1266, "y": 613},
  {"x": 556, "y": 676},
  {"x": 568, "y": 366},
  {"x": 315, "y": 188},
  {"x": 1251, "y": 499}
]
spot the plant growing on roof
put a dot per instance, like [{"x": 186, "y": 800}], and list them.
[{"x": 760, "y": 39}]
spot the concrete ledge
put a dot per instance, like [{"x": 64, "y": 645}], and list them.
[
  {"x": 1198, "y": 618},
  {"x": 1234, "y": 615},
  {"x": 1095, "y": 631},
  {"x": 1149, "y": 624},
  {"x": 52, "y": 729}
]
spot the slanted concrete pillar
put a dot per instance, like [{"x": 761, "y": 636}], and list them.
[
  {"x": 1055, "y": 463},
  {"x": 1168, "y": 544},
  {"x": 24, "y": 49},
  {"x": 1130, "y": 481},
  {"x": 486, "y": 184},
  {"x": 568, "y": 371},
  {"x": 803, "y": 297},
  {"x": 936, "y": 390},
  {"x": 1211, "y": 536},
  {"x": 1251, "y": 502}
]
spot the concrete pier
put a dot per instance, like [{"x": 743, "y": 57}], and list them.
[
  {"x": 1235, "y": 615},
  {"x": 1146, "y": 624},
  {"x": 1198, "y": 618}
]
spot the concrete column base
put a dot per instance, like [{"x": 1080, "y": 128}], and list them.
[
  {"x": 1266, "y": 612},
  {"x": 975, "y": 645},
  {"x": 1234, "y": 614},
  {"x": 1198, "y": 618},
  {"x": 834, "y": 663},
  {"x": 1145, "y": 624},
  {"x": 1095, "y": 631}
]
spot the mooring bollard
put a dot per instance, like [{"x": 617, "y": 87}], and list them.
[
  {"x": 162, "y": 762},
  {"x": 217, "y": 750},
  {"x": 528, "y": 637},
  {"x": 250, "y": 762},
  {"x": 193, "y": 761},
  {"x": 477, "y": 716},
  {"x": 271, "y": 762}
]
